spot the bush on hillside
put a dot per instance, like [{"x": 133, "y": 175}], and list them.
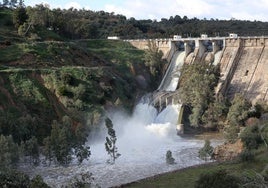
[
  {"x": 219, "y": 179},
  {"x": 251, "y": 137},
  {"x": 247, "y": 155}
]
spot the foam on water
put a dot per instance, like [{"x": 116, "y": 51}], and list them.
[{"x": 142, "y": 140}]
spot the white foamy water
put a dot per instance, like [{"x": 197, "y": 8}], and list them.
[
  {"x": 171, "y": 78},
  {"x": 217, "y": 57},
  {"x": 142, "y": 140}
]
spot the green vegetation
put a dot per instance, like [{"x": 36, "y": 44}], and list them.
[
  {"x": 54, "y": 93},
  {"x": 111, "y": 141},
  {"x": 40, "y": 22},
  {"x": 8, "y": 152},
  {"x": 169, "y": 158},
  {"x": 13, "y": 178},
  {"x": 190, "y": 176},
  {"x": 54, "y": 90},
  {"x": 219, "y": 179},
  {"x": 196, "y": 90},
  {"x": 206, "y": 151},
  {"x": 153, "y": 60}
]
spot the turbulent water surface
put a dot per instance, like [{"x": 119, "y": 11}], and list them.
[{"x": 142, "y": 140}]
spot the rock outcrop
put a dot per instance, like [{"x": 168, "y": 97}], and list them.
[{"x": 227, "y": 151}]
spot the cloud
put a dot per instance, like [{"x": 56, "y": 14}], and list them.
[
  {"x": 73, "y": 5},
  {"x": 152, "y": 9},
  {"x": 157, "y": 9}
]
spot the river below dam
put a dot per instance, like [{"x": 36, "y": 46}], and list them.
[{"x": 142, "y": 140}]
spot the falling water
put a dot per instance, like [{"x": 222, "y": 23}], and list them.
[
  {"x": 142, "y": 140},
  {"x": 217, "y": 57},
  {"x": 171, "y": 78}
]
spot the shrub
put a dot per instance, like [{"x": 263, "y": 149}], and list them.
[
  {"x": 238, "y": 111},
  {"x": 252, "y": 179},
  {"x": 231, "y": 133},
  {"x": 12, "y": 178},
  {"x": 206, "y": 151},
  {"x": 38, "y": 181},
  {"x": 247, "y": 155},
  {"x": 251, "y": 137},
  {"x": 219, "y": 179},
  {"x": 169, "y": 158}
]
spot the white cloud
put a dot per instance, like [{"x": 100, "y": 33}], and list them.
[
  {"x": 157, "y": 9},
  {"x": 73, "y": 5},
  {"x": 118, "y": 10}
]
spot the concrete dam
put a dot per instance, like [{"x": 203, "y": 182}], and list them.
[{"x": 243, "y": 62}]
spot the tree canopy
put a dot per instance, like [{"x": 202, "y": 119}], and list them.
[{"x": 80, "y": 24}]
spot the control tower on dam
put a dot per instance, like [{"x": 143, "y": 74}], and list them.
[{"x": 243, "y": 61}]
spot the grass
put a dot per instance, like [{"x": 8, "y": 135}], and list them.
[
  {"x": 186, "y": 178},
  {"x": 116, "y": 51}
]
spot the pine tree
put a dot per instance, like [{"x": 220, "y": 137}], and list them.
[{"x": 110, "y": 142}]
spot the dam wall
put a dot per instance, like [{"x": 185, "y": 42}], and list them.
[
  {"x": 250, "y": 76},
  {"x": 163, "y": 45},
  {"x": 228, "y": 62},
  {"x": 243, "y": 61}
]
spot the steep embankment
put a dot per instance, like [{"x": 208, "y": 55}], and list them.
[{"x": 48, "y": 80}]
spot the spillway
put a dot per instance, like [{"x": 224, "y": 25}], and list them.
[
  {"x": 217, "y": 57},
  {"x": 171, "y": 78},
  {"x": 143, "y": 139}
]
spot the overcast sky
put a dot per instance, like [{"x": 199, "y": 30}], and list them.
[{"x": 157, "y": 9}]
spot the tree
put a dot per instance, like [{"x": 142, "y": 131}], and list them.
[
  {"x": 206, "y": 151},
  {"x": 153, "y": 60},
  {"x": 82, "y": 180},
  {"x": 19, "y": 16},
  {"x": 82, "y": 152},
  {"x": 251, "y": 137},
  {"x": 238, "y": 113},
  {"x": 111, "y": 141},
  {"x": 48, "y": 152},
  {"x": 13, "y": 178},
  {"x": 59, "y": 143},
  {"x": 38, "y": 181},
  {"x": 31, "y": 148},
  {"x": 169, "y": 158},
  {"x": 8, "y": 151},
  {"x": 196, "y": 88},
  {"x": 65, "y": 137},
  {"x": 216, "y": 112}
]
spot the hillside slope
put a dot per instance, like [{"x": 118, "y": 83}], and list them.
[{"x": 46, "y": 80}]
